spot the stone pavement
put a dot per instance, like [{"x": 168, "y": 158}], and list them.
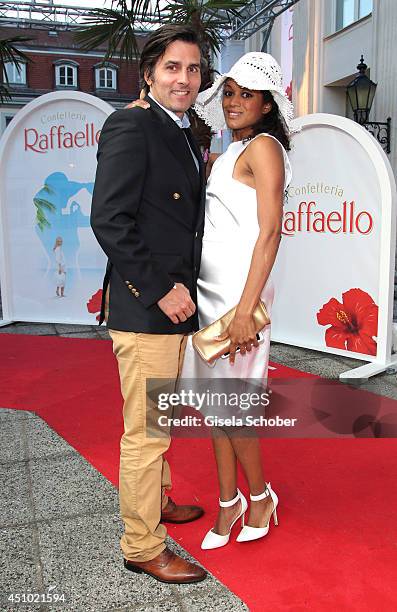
[{"x": 59, "y": 520}]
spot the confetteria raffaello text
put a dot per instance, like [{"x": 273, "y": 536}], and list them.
[{"x": 59, "y": 138}]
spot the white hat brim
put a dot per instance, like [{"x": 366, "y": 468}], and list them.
[{"x": 208, "y": 105}]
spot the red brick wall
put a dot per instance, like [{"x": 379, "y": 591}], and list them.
[{"x": 41, "y": 73}]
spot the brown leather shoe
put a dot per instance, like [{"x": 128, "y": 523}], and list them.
[
  {"x": 180, "y": 514},
  {"x": 168, "y": 567}
]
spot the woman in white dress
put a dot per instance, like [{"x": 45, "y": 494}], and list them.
[
  {"x": 244, "y": 208},
  {"x": 60, "y": 268}
]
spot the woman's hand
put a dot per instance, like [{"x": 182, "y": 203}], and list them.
[
  {"x": 242, "y": 334},
  {"x": 141, "y": 103}
]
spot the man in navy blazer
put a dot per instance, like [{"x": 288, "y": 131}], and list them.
[{"x": 148, "y": 216}]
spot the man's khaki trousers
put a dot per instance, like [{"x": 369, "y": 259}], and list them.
[{"x": 144, "y": 473}]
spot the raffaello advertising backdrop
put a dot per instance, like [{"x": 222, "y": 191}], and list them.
[
  {"x": 327, "y": 274},
  {"x": 48, "y": 161}
]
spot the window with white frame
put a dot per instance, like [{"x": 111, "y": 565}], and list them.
[
  {"x": 15, "y": 76},
  {"x": 106, "y": 77},
  {"x": 5, "y": 119},
  {"x": 349, "y": 11},
  {"x": 365, "y": 7},
  {"x": 66, "y": 75}
]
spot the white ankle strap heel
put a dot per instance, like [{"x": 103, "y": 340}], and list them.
[
  {"x": 261, "y": 496},
  {"x": 254, "y": 533},
  {"x": 229, "y": 504},
  {"x": 215, "y": 540}
]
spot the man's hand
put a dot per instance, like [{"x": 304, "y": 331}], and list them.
[
  {"x": 177, "y": 304},
  {"x": 141, "y": 103}
]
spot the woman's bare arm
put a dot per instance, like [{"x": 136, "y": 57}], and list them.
[{"x": 264, "y": 159}]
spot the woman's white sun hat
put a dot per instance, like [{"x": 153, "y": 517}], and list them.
[{"x": 255, "y": 70}]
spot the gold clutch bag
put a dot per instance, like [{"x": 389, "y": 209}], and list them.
[{"x": 204, "y": 340}]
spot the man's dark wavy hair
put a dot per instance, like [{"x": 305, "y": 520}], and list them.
[
  {"x": 273, "y": 123},
  {"x": 156, "y": 45}
]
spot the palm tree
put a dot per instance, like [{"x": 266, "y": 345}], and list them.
[
  {"x": 210, "y": 20},
  {"x": 123, "y": 24},
  {"x": 10, "y": 53},
  {"x": 43, "y": 206}
]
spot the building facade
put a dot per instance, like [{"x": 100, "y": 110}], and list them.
[
  {"x": 322, "y": 49},
  {"x": 57, "y": 63},
  {"x": 329, "y": 37}
]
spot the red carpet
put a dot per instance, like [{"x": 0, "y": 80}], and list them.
[{"x": 336, "y": 545}]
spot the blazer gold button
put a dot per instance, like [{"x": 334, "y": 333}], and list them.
[
  {"x": 176, "y": 195},
  {"x": 130, "y": 287}
]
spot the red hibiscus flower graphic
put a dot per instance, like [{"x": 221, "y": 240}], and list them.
[
  {"x": 94, "y": 303},
  {"x": 354, "y": 323}
]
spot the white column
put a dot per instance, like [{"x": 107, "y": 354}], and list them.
[
  {"x": 384, "y": 73},
  {"x": 307, "y": 56},
  {"x": 384, "y": 68}
]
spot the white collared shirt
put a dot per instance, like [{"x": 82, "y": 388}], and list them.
[{"x": 182, "y": 123}]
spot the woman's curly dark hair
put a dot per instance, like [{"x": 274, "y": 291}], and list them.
[{"x": 273, "y": 123}]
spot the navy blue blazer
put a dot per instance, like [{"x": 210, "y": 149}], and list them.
[{"x": 148, "y": 216}]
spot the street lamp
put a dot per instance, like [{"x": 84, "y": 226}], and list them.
[{"x": 361, "y": 92}]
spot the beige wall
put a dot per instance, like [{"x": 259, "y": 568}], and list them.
[
  {"x": 342, "y": 51},
  {"x": 384, "y": 70},
  {"x": 274, "y": 44},
  {"x": 306, "y": 57},
  {"x": 325, "y": 61}
]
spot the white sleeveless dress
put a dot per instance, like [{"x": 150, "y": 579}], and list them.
[{"x": 230, "y": 233}]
